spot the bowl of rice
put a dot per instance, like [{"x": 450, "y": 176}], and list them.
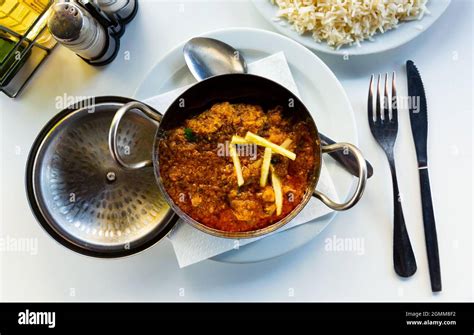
[{"x": 352, "y": 27}]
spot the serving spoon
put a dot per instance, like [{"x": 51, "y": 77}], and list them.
[{"x": 208, "y": 57}]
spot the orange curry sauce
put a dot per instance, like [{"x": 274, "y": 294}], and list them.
[{"x": 198, "y": 172}]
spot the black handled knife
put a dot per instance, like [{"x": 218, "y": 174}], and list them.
[{"x": 419, "y": 127}]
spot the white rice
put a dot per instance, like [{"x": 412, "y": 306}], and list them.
[{"x": 347, "y": 22}]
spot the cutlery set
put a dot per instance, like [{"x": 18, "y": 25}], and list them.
[{"x": 383, "y": 122}]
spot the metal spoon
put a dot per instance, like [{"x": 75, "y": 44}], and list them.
[{"x": 208, "y": 57}]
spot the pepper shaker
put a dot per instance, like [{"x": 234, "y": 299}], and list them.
[{"x": 122, "y": 10}]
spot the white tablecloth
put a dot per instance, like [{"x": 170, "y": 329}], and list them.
[{"x": 312, "y": 273}]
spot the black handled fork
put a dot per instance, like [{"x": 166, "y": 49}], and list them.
[{"x": 384, "y": 127}]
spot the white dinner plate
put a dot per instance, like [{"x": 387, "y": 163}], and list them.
[
  {"x": 320, "y": 91},
  {"x": 382, "y": 42}
]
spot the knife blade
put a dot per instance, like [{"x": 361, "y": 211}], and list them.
[
  {"x": 346, "y": 160},
  {"x": 418, "y": 110}
]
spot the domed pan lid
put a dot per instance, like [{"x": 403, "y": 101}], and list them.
[{"x": 81, "y": 197}]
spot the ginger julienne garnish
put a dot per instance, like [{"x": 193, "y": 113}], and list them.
[
  {"x": 277, "y": 189},
  {"x": 238, "y": 140},
  {"x": 267, "y": 158},
  {"x": 286, "y": 143},
  {"x": 237, "y": 166},
  {"x": 253, "y": 138}
]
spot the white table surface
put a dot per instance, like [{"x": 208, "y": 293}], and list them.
[{"x": 444, "y": 56}]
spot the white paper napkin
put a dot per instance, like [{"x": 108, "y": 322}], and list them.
[{"x": 192, "y": 245}]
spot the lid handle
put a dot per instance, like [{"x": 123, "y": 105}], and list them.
[{"x": 149, "y": 114}]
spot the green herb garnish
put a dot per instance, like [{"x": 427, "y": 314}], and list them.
[
  {"x": 189, "y": 135},
  {"x": 275, "y": 160}
]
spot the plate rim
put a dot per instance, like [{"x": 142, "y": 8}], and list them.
[
  {"x": 177, "y": 49},
  {"x": 308, "y": 42}
]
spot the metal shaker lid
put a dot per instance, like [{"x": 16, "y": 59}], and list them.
[
  {"x": 82, "y": 197},
  {"x": 123, "y": 10},
  {"x": 66, "y": 21}
]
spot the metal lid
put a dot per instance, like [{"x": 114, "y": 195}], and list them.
[{"x": 82, "y": 197}]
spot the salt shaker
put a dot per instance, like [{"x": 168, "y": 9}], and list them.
[{"x": 75, "y": 28}]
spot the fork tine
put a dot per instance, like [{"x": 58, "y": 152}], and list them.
[
  {"x": 386, "y": 101},
  {"x": 394, "y": 98},
  {"x": 378, "y": 115},
  {"x": 370, "y": 102}
]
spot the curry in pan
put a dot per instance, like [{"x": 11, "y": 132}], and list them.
[{"x": 238, "y": 167}]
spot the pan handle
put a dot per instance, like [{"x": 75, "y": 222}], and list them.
[
  {"x": 362, "y": 174},
  {"x": 146, "y": 111}
]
